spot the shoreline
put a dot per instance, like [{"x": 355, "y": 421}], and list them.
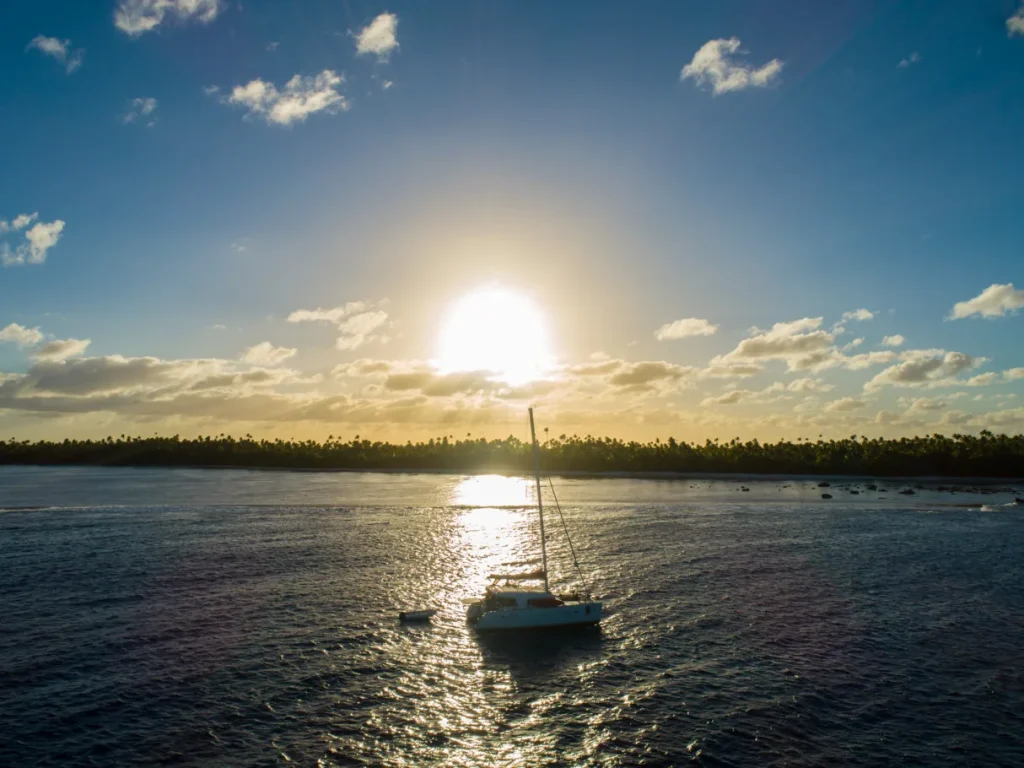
[{"x": 572, "y": 474}]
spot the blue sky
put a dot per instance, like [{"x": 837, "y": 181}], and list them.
[{"x": 623, "y": 166}]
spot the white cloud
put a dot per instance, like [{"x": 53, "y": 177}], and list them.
[
  {"x": 136, "y": 17},
  {"x": 982, "y": 379},
  {"x": 714, "y": 65},
  {"x": 893, "y": 341},
  {"x": 379, "y": 36},
  {"x": 845, "y": 404},
  {"x": 60, "y": 50},
  {"x": 855, "y": 343},
  {"x": 39, "y": 239},
  {"x": 690, "y": 326},
  {"x": 139, "y": 107},
  {"x": 1013, "y": 374},
  {"x": 356, "y": 322},
  {"x": 925, "y": 368},
  {"x": 356, "y": 330},
  {"x": 995, "y": 301},
  {"x": 1015, "y": 24},
  {"x": 272, "y": 46},
  {"x": 863, "y": 360},
  {"x": 643, "y": 375},
  {"x": 61, "y": 349},
  {"x": 809, "y": 385},
  {"x": 20, "y": 335},
  {"x": 302, "y": 96},
  {"x": 923, "y": 404},
  {"x": 859, "y": 315},
  {"x": 267, "y": 354},
  {"x": 911, "y": 59},
  {"x": 769, "y": 394}
]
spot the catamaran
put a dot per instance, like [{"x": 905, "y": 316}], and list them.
[{"x": 510, "y": 604}]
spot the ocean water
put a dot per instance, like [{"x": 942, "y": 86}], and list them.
[{"x": 232, "y": 618}]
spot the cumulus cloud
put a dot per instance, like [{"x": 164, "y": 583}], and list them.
[
  {"x": 20, "y": 335},
  {"x": 136, "y": 17},
  {"x": 60, "y": 50},
  {"x": 725, "y": 370},
  {"x": 893, "y": 341},
  {"x": 379, "y": 37},
  {"x": 38, "y": 240},
  {"x": 357, "y": 322},
  {"x": 140, "y": 107},
  {"x": 925, "y": 368},
  {"x": 738, "y": 396},
  {"x": 982, "y": 380},
  {"x": 845, "y": 404},
  {"x": 302, "y": 96},
  {"x": 809, "y": 385},
  {"x": 715, "y": 66},
  {"x": 680, "y": 329},
  {"x": 61, "y": 349},
  {"x": 995, "y": 301},
  {"x": 266, "y": 353},
  {"x": 1015, "y": 24},
  {"x": 923, "y": 404},
  {"x": 800, "y": 343},
  {"x": 1013, "y": 374},
  {"x": 41, "y": 238},
  {"x": 646, "y": 374},
  {"x": 906, "y": 61},
  {"x": 860, "y": 315}
]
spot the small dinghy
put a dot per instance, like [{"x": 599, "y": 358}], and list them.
[{"x": 416, "y": 615}]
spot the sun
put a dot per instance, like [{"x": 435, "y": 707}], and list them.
[{"x": 497, "y": 331}]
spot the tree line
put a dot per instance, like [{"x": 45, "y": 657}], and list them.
[{"x": 982, "y": 455}]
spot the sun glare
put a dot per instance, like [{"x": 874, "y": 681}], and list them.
[{"x": 496, "y": 331}]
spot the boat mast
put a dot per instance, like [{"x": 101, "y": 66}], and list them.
[{"x": 540, "y": 502}]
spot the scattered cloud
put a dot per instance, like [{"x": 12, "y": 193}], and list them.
[
  {"x": 995, "y": 301},
  {"x": 845, "y": 404},
  {"x": 646, "y": 374},
  {"x": 39, "y": 239},
  {"x": 272, "y": 46},
  {"x": 267, "y": 354},
  {"x": 982, "y": 380},
  {"x": 860, "y": 315},
  {"x": 893, "y": 341},
  {"x": 908, "y": 60},
  {"x": 809, "y": 385},
  {"x": 379, "y": 37},
  {"x": 1015, "y": 24},
  {"x": 20, "y": 335},
  {"x": 714, "y": 65},
  {"x": 801, "y": 343},
  {"x": 1013, "y": 374},
  {"x": 136, "y": 17},
  {"x": 680, "y": 329},
  {"x": 925, "y": 368},
  {"x": 140, "y": 107},
  {"x": 724, "y": 370},
  {"x": 923, "y": 404},
  {"x": 303, "y": 95},
  {"x": 60, "y": 50},
  {"x": 738, "y": 396},
  {"x": 357, "y": 322},
  {"x": 61, "y": 349}
]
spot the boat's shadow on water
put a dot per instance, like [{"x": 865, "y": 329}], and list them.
[{"x": 540, "y": 653}]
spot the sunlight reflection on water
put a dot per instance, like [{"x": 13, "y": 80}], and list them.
[{"x": 491, "y": 491}]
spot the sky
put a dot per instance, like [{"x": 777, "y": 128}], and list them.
[{"x": 405, "y": 220}]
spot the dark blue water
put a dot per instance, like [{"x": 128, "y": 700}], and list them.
[{"x": 154, "y": 617}]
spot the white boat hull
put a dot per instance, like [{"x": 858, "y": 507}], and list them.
[{"x": 567, "y": 615}]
